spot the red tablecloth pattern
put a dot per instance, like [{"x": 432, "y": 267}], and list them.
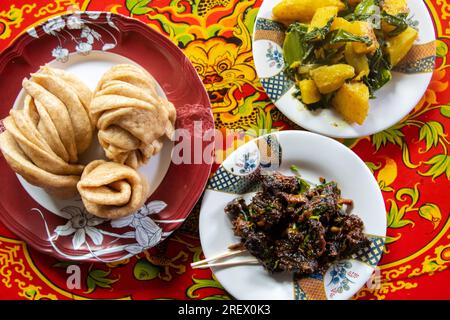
[{"x": 411, "y": 162}]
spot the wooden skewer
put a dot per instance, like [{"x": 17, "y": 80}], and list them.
[
  {"x": 228, "y": 264},
  {"x": 218, "y": 257},
  {"x": 236, "y": 246},
  {"x": 233, "y": 250}
]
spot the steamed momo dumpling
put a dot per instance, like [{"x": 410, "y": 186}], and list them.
[
  {"x": 61, "y": 185},
  {"x": 66, "y": 100},
  {"x": 43, "y": 139},
  {"x": 112, "y": 190},
  {"x": 131, "y": 117}
]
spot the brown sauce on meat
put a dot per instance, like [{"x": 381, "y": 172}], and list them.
[{"x": 290, "y": 226}]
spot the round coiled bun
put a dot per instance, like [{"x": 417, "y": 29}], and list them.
[
  {"x": 43, "y": 140},
  {"x": 131, "y": 117},
  {"x": 112, "y": 190}
]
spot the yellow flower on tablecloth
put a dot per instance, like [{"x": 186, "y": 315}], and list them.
[{"x": 387, "y": 175}]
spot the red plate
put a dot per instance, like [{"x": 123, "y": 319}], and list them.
[{"x": 65, "y": 229}]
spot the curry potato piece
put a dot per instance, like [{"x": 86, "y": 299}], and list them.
[
  {"x": 386, "y": 27},
  {"x": 395, "y": 7},
  {"x": 397, "y": 47},
  {"x": 364, "y": 28},
  {"x": 341, "y": 23},
  {"x": 309, "y": 91},
  {"x": 358, "y": 61},
  {"x": 358, "y": 28},
  {"x": 330, "y": 78},
  {"x": 322, "y": 16},
  {"x": 289, "y": 11},
  {"x": 352, "y": 102}
]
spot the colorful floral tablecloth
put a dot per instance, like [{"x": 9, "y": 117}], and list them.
[{"x": 411, "y": 162}]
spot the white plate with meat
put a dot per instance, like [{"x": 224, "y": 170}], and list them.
[{"x": 312, "y": 242}]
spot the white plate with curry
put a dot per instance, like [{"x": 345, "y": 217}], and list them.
[{"x": 390, "y": 103}]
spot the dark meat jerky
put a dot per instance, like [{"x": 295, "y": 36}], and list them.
[{"x": 288, "y": 228}]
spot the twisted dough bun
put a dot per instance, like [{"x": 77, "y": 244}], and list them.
[
  {"x": 42, "y": 140},
  {"x": 132, "y": 118},
  {"x": 112, "y": 190}
]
